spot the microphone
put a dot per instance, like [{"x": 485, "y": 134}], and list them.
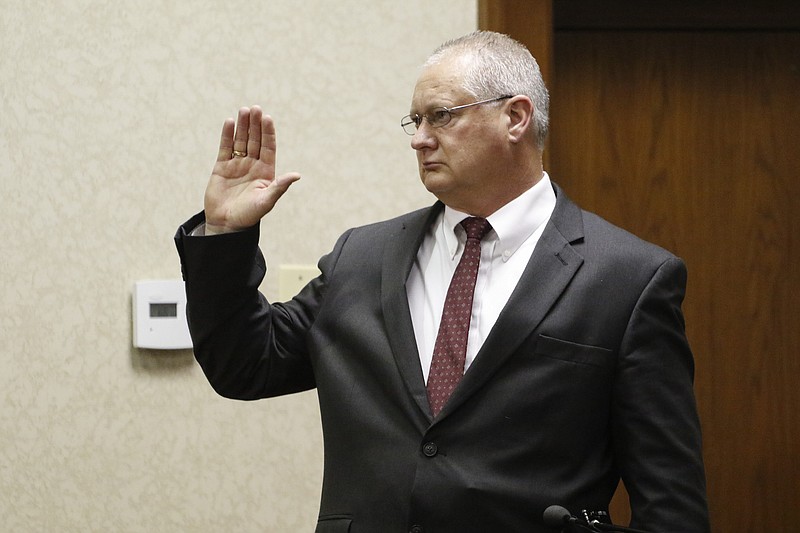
[{"x": 557, "y": 516}]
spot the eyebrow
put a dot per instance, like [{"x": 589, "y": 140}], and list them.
[{"x": 435, "y": 106}]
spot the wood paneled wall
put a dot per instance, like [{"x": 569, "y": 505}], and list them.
[{"x": 691, "y": 139}]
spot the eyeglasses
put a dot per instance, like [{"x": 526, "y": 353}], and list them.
[{"x": 439, "y": 116}]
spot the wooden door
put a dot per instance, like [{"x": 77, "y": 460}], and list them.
[{"x": 691, "y": 139}]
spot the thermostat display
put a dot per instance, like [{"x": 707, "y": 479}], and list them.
[
  {"x": 164, "y": 310},
  {"x": 159, "y": 315}
]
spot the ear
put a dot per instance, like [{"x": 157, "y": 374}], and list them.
[{"x": 520, "y": 114}]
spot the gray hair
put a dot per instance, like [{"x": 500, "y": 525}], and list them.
[{"x": 498, "y": 65}]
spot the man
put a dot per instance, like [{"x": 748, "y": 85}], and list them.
[{"x": 568, "y": 370}]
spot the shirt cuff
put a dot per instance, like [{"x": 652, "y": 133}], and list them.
[{"x": 198, "y": 231}]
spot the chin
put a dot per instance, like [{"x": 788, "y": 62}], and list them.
[{"x": 435, "y": 182}]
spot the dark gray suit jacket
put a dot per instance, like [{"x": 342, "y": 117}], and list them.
[{"x": 586, "y": 377}]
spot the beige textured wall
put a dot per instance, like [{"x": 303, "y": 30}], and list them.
[{"x": 109, "y": 118}]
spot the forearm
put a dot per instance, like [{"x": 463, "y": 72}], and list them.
[{"x": 231, "y": 323}]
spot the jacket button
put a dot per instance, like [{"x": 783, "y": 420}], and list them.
[
  {"x": 415, "y": 529},
  {"x": 429, "y": 449}
]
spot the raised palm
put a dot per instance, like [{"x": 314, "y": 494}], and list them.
[{"x": 243, "y": 186}]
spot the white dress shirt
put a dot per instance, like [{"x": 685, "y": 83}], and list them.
[{"x": 505, "y": 251}]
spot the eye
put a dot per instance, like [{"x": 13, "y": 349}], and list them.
[
  {"x": 438, "y": 116},
  {"x": 408, "y": 120}
]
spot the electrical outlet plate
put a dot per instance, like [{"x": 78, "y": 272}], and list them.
[{"x": 292, "y": 278}]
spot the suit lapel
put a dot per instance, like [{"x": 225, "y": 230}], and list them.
[
  {"x": 553, "y": 264},
  {"x": 398, "y": 258}
]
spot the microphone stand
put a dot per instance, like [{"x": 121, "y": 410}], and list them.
[
  {"x": 558, "y": 516},
  {"x": 620, "y": 529},
  {"x": 595, "y": 527}
]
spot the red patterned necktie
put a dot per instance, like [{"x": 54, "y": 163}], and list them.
[{"x": 450, "y": 350}]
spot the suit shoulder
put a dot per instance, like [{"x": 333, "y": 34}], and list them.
[
  {"x": 601, "y": 235},
  {"x": 598, "y": 237},
  {"x": 411, "y": 219}
]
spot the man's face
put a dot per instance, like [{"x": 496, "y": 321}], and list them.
[{"x": 458, "y": 162}]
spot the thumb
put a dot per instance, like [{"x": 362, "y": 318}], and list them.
[
  {"x": 283, "y": 181},
  {"x": 275, "y": 190}
]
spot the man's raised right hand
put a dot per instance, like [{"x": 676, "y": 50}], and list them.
[{"x": 243, "y": 186}]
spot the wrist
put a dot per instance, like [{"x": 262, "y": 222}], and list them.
[{"x": 215, "y": 229}]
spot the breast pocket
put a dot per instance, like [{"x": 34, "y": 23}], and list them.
[{"x": 573, "y": 352}]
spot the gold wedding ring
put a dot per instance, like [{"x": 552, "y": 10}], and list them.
[{"x": 239, "y": 153}]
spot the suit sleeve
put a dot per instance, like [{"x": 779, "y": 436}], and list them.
[
  {"x": 247, "y": 347},
  {"x": 656, "y": 427}
]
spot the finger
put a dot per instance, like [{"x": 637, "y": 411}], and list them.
[
  {"x": 242, "y": 127},
  {"x": 254, "y": 135},
  {"x": 268, "y": 141},
  {"x": 226, "y": 140}
]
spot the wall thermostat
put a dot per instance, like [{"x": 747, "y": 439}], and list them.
[{"x": 159, "y": 315}]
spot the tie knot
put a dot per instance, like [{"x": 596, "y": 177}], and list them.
[{"x": 476, "y": 227}]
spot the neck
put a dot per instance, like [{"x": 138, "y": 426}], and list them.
[{"x": 526, "y": 176}]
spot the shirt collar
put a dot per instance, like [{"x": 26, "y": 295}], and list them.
[{"x": 512, "y": 224}]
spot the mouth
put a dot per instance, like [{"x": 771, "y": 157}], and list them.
[{"x": 430, "y": 165}]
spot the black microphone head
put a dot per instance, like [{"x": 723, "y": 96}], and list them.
[{"x": 556, "y": 516}]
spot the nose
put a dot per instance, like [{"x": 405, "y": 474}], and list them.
[{"x": 423, "y": 138}]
